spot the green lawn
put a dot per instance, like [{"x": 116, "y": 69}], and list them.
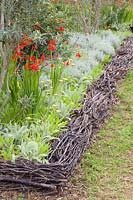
[{"x": 108, "y": 165}]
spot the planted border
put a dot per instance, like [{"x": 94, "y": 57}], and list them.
[{"x": 84, "y": 123}]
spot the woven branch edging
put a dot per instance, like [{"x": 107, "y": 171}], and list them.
[{"x": 25, "y": 174}]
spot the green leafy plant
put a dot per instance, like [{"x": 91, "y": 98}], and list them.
[{"x": 114, "y": 16}]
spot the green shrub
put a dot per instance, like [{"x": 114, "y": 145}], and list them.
[{"x": 114, "y": 16}]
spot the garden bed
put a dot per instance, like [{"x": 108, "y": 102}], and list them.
[{"x": 84, "y": 123}]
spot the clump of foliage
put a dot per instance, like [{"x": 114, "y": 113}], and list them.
[
  {"x": 38, "y": 35},
  {"x": 116, "y": 16}
]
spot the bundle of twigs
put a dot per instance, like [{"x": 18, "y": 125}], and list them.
[{"x": 84, "y": 123}]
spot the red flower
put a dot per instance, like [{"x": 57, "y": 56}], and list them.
[
  {"x": 34, "y": 67},
  {"x": 77, "y": 45},
  {"x": 37, "y": 26},
  {"x": 28, "y": 57},
  {"x": 32, "y": 58},
  {"x": 25, "y": 36},
  {"x": 53, "y": 42},
  {"x": 78, "y": 55},
  {"x": 57, "y": 55},
  {"x": 18, "y": 53},
  {"x": 61, "y": 28},
  {"x": 67, "y": 42},
  {"x": 15, "y": 57},
  {"x": 67, "y": 62},
  {"x": 52, "y": 65},
  {"x": 43, "y": 58},
  {"x": 38, "y": 62},
  {"x": 23, "y": 58},
  {"x": 34, "y": 47},
  {"x": 51, "y": 47},
  {"x": 25, "y": 43},
  {"x": 22, "y": 45}
]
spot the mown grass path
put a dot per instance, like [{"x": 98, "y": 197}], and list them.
[
  {"x": 106, "y": 172},
  {"x": 108, "y": 166}
]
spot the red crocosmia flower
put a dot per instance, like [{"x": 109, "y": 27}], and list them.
[
  {"x": 78, "y": 55},
  {"x": 53, "y": 42},
  {"x": 57, "y": 55},
  {"x": 77, "y": 45},
  {"x": 32, "y": 58},
  {"x": 38, "y": 62},
  {"x": 34, "y": 47},
  {"x": 37, "y": 26},
  {"x": 51, "y": 47},
  {"x": 30, "y": 40},
  {"x": 52, "y": 65},
  {"x": 23, "y": 58},
  {"x": 27, "y": 57},
  {"x": 18, "y": 53},
  {"x": 21, "y": 46},
  {"x": 30, "y": 66},
  {"x": 25, "y": 36},
  {"x": 25, "y": 43},
  {"x": 34, "y": 67},
  {"x": 61, "y": 28},
  {"x": 43, "y": 58},
  {"x": 67, "y": 42},
  {"x": 15, "y": 57},
  {"x": 67, "y": 62}
]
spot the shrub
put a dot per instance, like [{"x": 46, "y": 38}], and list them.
[{"x": 115, "y": 16}]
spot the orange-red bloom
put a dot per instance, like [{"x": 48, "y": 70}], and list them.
[
  {"x": 67, "y": 62},
  {"x": 61, "y": 28},
  {"x": 34, "y": 67},
  {"x": 32, "y": 58},
  {"x": 67, "y": 42},
  {"x": 25, "y": 43},
  {"x": 51, "y": 47},
  {"x": 34, "y": 47},
  {"x": 37, "y": 26},
  {"x": 18, "y": 53},
  {"x": 78, "y": 55},
  {"x": 38, "y": 62},
  {"x": 52, "y": 65},
  {"x": 43, "y": 58},
  {"x": 53, "y": 42},
  {"x": 77, "y": 45}
]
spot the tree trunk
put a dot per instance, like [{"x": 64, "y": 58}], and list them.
[
  {"x": 3, "y": 67},
  {"x": 98, "y": 5}
]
